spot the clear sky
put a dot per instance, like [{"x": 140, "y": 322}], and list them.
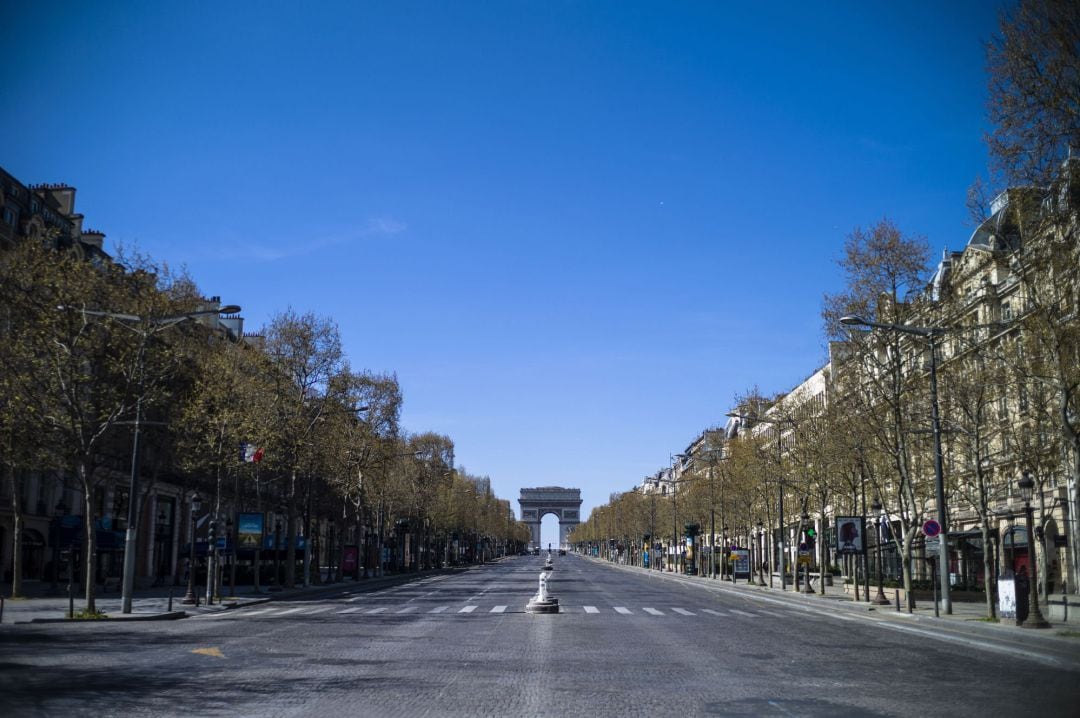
[{"x": 576, "y": 230}]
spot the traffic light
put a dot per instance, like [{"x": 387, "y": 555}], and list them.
[{"x": 811, "y": 535}]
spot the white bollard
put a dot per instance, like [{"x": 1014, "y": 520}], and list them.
[{"x": 542, "y": 602}]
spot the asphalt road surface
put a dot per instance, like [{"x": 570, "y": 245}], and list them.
[{"x": 461, "y": 644}]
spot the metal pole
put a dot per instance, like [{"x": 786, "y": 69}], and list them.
[
  {"x": 189, "y": 597},
  {"x": 210, "y": 551},
  {"x": 783, "y": 552},
  {"x": 1035, "y": 618},
  {"x": 880, "y": 598},
  {"x": 71, "y": 585},
  {"x": 128, "y": 585},
  {"x": 939, "y": 478},
  {"x": 712, "y": 543}
]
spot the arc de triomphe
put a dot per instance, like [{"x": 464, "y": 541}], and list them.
[{"x": 543, "y": 500}]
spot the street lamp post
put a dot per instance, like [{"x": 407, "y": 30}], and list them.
[
  {"x": 675, "y": 514},
  {"x": 277, "y": 552},
  {"x": 330, "y": 575},
  {"x": 762, "y": 555},
  {"x": 230, "y": 547},
  {"x": 159, "y": 534},
  {"x": 145, "y": 327},
  {"x": 931, "y": 335},
  {"x": 190, "y": 597},
  {"x": 1035, "y": 618},
  {"x": 211, "y": 550},
  {"x": 59, "y": 512},
  {"x": 879, "y": 511}
]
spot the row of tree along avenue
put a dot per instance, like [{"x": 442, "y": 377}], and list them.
[
  {"x": 123, "y": 385},
  {"x": 948, "y": 410}
]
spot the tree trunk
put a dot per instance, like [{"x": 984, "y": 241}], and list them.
[
  {"x": 16, "y": 543},
  {"x": 906, "y": 554},
  {"x": 89, "y": 541},
  {"x": 290, "y": 534},
  {"x": 989, "y": 572}
]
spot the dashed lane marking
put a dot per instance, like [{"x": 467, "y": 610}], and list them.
[
  {"x": 351, "y": 610},
  {"x": 653, "y": 611},
  {"x": 591, "y": 609},
  {"x": 683, "y": 611},
  {"x": 712, "y": 612},
  {"x": 374, "y": 611},
  {"x": 317, "y": 610},
  {"x": 468, "y": 609},
  {"x": 498, "y": 609},
  {"x": 407, "y": 609},
  {"x": 744, "y": 613},
  {"x": 623, "y": 610},
  {"x": 438, "y": 609}
]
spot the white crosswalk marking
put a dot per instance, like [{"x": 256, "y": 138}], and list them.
[
  {"x": 287, "y": 611},
  {"x": 468, "y": 609},
  {"x": 438, "y": 609},
  {"x": 653, "y": 611},
  {"x": 623, "y": 610},
  {"x": 351, "y": 610},
  {"x": 407, "y": 609},
  {"x": 712, "y": 612},
  {"x": 374, "y": 611},
  {"x": 682, "y": 611},
  {"x": 260, "y": 611},
  {"x": 744, "y": 613},
  {"x": 498, "y": 609},
  {"x": 591, "y": 609}
]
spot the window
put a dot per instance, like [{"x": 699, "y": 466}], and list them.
[
  {"x": 1006, "y": 312},
  {"x": 9, "y": 216}
]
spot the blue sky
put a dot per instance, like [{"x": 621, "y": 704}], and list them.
[{"x": 574, "y": 229}]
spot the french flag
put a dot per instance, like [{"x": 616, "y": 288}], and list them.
[{"x": 250, "y": 454}]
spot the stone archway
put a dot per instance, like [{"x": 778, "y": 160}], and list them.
[{"x": 538, "y": 502}]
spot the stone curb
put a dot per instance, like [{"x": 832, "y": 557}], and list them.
[{"x": 174, "y": 615}]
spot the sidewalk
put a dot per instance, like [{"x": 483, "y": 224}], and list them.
[
  {"x": 1058, "y": 644},
  {"x": 152, "y": 604}
]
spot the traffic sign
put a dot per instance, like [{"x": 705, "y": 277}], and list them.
[
  {"x": 803, "y": 547},
  {"x": 804, "y": 559},
  {"x": 931, "y": 528}
]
